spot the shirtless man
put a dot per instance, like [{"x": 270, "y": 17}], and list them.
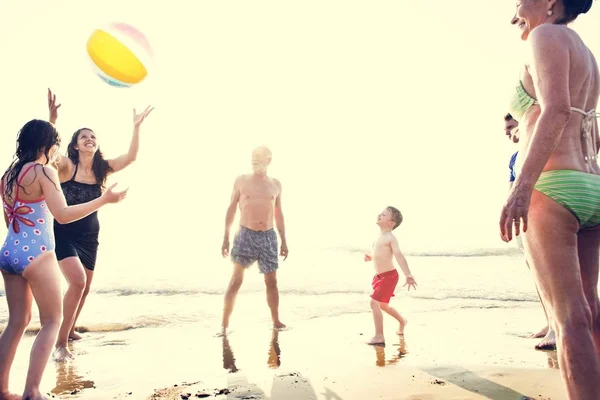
[
  {"x": 259, "y": 199},
  {"x": 386, "y": 276}
]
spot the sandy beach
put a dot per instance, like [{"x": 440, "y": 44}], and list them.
[{"x": 473, "y": 353}]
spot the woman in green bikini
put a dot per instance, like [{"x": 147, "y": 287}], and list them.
[{"x": 555, "y": 199}]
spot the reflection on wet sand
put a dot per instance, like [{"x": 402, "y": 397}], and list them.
[
  {"x": 399, "y": 353},
  {"x": 68, "y": 381},
  {"x": 553, "y": 359},
  {"x": 228, "y": 357},
  {"x": 273, "y": 359}
]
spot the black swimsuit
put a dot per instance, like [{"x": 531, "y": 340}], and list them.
[{"x": 79, "y": 238}]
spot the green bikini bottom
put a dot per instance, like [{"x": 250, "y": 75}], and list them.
[{"x": 577, "y": 191}]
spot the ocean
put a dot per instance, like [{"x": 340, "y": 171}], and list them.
[{"x": 322, "y": 283}]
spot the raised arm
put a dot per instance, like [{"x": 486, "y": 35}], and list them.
[
  {"x": 121, "y": 162},
  {"x": 62, "y": 164},
  {"x": 57, "y": 204}
]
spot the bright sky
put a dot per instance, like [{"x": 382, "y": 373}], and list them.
[{"x": 364, "y": 104}]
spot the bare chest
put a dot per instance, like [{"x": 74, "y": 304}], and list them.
[{"x": 258, "y": 192}]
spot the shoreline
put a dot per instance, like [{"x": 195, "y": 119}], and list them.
[{"x": 467, "y": 353}]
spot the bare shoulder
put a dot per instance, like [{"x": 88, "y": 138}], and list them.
[
  {"x": 65, "y": 167},
  {"x": 547, "y": 33},
  {"x": 240, "y": 180},
  {"x": 277, "y": 183},
  {"x": 552, "y": 37},
  {"x": 388, "y": 237},
  {"x": 47, "y": 170}
]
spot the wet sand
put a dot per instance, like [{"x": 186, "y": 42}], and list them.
[
  {"x": 479, "y": 356},
  {"x": 462, "y": 354}
]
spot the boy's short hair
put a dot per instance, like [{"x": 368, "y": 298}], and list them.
[{"x": 396, "y": 216}]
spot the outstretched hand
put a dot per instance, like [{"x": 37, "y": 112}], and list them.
[
  {"x": 368, "y": 257},
  {"x": 139, "y": 118},
  {"x": 410, "y": 281},
  {"x": 113, "y": 196},
  {"x": 52, "y": 107}
]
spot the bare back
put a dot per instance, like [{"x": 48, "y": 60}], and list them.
[
  {"x": 257, "y": 197},
  {"x": 383, "y": 253},
  {"x": 30, "y": 188},
  {"x": 582, "y": 80}
]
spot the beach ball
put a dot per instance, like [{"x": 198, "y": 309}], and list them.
[{"x": 120, "y": 54}]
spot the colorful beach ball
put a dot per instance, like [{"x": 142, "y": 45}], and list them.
[{"x": 120, "y": 54}]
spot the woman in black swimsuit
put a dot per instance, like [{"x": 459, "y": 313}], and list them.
[{"x": 83, "y": 176}]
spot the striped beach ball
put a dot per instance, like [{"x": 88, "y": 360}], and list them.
[{"x": 120, "y": 54}]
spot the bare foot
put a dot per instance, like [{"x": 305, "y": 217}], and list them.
[
  {"x": 74, "y": 336},
  {"x": 9, "y": 396},
  {"x": 402, "y": 325},
  {"x": 377, "y": 339},
  {"x": 540, "y": 334},
  {"x": 279, "y": 325},
  {"x": 548, "y": 342},
  {"x": 62, "y": 354},
  {"x": 34, "y": 395}
]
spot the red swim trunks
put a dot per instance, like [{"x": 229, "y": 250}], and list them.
[{"x": 384, "y": 285}]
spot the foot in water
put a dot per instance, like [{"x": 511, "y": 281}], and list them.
[
  {"x": 548, "y": 343},
  {"x": 402, "y": 325},
  {"x": 541, "y": 333},
  {"x": 279, "y": 325},
  {"x": 74, "y": 336},
  {"x": 62, "y": 354},
  {"x": 377, "y": 339}
]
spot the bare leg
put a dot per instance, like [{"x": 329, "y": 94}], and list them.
[
  {"x": 74, "y": 273},
  {"x": 19, "y": 299},
  {"x": 88, "y": 283},
  {"x": 544, "y": 331},
  {"x": 378, "y": 319},
  {"x": 232, "y": 290},
  {"x": 552, "y": 251},
  {"x": 549, "y": 338},
  {"x": 589, "y": 258},
  {"x": 273, "y": 298},
  {"x": 394, "y": 313},
  {"x": 547, "y": 333},
  {"x": 44, "y": 280}
]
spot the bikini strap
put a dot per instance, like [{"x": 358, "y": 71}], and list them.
[
  {"x": 588, "y": 127},
  {"x": 20, "y": 179}
]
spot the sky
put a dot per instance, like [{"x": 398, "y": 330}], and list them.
[{"x": 363, "y": 103}]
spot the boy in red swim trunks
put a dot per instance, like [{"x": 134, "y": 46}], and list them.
[{"x": 386, "y": 275}]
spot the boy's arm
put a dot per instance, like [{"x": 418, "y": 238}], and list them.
[{"x": 399, "y": 256}]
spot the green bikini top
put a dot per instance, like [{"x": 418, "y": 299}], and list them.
[{"x": 521, "y": 102}]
